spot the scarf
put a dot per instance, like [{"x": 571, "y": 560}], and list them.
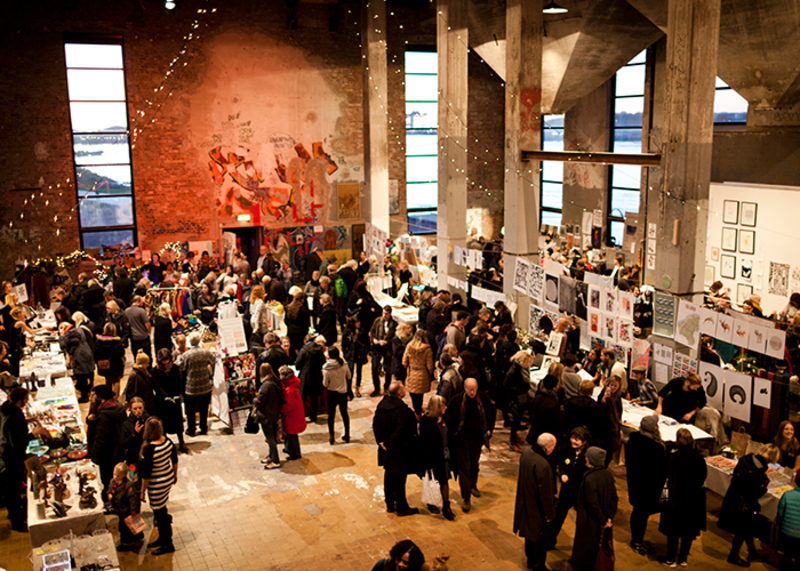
[{"x": 463, "y": 414}]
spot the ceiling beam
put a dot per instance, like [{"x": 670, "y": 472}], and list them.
[{"x": 642, "y": 159}]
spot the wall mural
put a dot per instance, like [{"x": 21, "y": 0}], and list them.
[
  {"x": 294, "y": 245},
  {"x": 297, "y": 192},
  {"x": 582, "y": 174}
]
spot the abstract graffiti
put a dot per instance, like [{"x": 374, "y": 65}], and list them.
[
  {"x": 293, "y": 245},
  {"x": 300, "y": 197},
  {"x": 530, "y": 120}
]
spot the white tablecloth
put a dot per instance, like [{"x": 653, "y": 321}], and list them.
[
  {"x": 719, "y": 479},
  {"x": 87, "y": 549},
  {"x": 79, "y": 521}
]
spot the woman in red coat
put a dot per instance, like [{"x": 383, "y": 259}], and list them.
[{"x": 292, "y": 412}]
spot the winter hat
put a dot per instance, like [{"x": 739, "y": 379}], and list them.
[
  {"x": 596, "y": 456},
  {"x": 648, "y": 424},
  {"x": 142, "y": 360},
  {"x": 104, "y": 392}
]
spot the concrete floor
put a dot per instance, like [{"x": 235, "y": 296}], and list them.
[{"x": 326, "y": 511}]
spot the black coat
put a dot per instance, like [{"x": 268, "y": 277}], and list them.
[
  {"x": 15, "y": 435},
  {"x": 267, "y": 404},
  {"x": 130, "y": 440},
  {"x": 309, "y": 362},
  {"x": 535, "y": 502},
  {"x": 326, "y": 325},
  {"x": 741, "y": 505},
  {"x": 354, "y": 348},
  {"x": 571, "y": 464},
  {"x": 435, "y": 324},
  {"x": 94, "y": 303},
  {"x": 110, "y": 349},
  {"x": 349, "y": 276},
  {"x": 120, "y": 320},
  {"x": 685, "y": 511},
  {"x": 597, "y": 503},
  {"x": 394, "y": 426},
  {"x": 106, "y": 449},
  {"x": 398, "y": 350},
  {"x": 140, "y": 385},
  {"x": 123, "y": 289},
  {"x": 583, "y": 411},
  {"x": 162, "y": 336},
  {"x": 544, "y": 412},
  {"x": 646, "y": 462},
  {"x": 169, "y": 387},
  {"x": 433, "y": 449},
  {"x": 275, "y": 356}
]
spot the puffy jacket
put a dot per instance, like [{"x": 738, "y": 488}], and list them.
[
  {"x": 292, "y": 410},
  {"x": 419, "y": 368},
  {"x": 110, "y": 349},
  {"x": 74, "y": 344}
]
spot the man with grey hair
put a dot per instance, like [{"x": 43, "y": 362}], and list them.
[
  {"x": 272, "y": 354},
  {"x": 535, "y": 508},
  {"x": 197, "y": 365},
  {"x": 140, "y": 327}
]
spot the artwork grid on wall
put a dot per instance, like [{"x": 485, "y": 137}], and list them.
[
  {"x": 727, "y": 266},
  {"x": 729, "y": 236},
  {"x": 747, "y": 241},
  {"x": 730, "y": 212},
  {"x": 749, "y": 214}
]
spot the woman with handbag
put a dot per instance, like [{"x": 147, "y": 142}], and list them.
[
  {"x": 109, "y": 354},
  {"x": 683, "y": 510},
  {"x": 596, "y": 507},
  {"x": 436, "y": 453},
  {"x": 168, "y": 385},
  {"x": 740, "y": 508}
]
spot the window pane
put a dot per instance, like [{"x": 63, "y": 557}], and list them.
[
  {"x": 641, "y": 57},
  {"x": 116, "y": 211},
  {"x": 617, "y": 230},
  {"x": 422, "y": 62},
  {"x": 93, "y": 55},
  {"x": 422, "y": 169},
  {"x": 551, "y": 218},
  {"x": 628, "y": 111},
  {"x": 422, "y": 87},
  {"x": 630, "y": 80},
  {"x": 96, "y": 84},
  {"x": 422, "y": 222},
  {"x": 729, "y": 107},
  {"x": 551, "y": 195},
  {"x": 95, "y": 117},
  {"x": 101, "y": 149},
  {"x": 627, "y": 140},
  {"x": 552, "y": 171},
  {"x": 421, "y": 115},
  {"x": 626, "y": 176},
  {"x": 550, "y": 121},
  {"x": 111, "y": 238},
  {"x": 623, "y": 201},
  {"x": 422, "y": 195},
  {"x": 94, "y": 181},
  {"x": 720, "y": 83},
  {"x": 553, "y": 140},
  {"x": 422, "y": 142}
]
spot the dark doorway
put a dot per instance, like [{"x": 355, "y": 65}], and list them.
[{"x": 248, "y": 241}]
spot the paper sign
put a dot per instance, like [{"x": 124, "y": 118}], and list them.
[
  {"x": 521, "y": 270},
  {"x": 535, "y": 282},
  {"x": 776, "y": 340},
  {"x": 687, "y": 326},
  {"x": 21, "y": 291},
  {"x": 597, "y": 218},
  {"x": 651, "y": 261},
  {"x": 724, "y": 328},
  {"x": 587, "y": 222},
  {"x": 651, "y": 231},
  {"x": 738, "y": 388},
  {"x": 708, "y": 322},
  {"x": 661, "y": 374},
  {"x": 762, "y": 392},
  {"x": 662, "y": 353},
  {"x": 232, "y": 336},
  {"x": 713, "y": 384}
]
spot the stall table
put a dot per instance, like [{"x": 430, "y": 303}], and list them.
[{"x": 97, "y": 549}]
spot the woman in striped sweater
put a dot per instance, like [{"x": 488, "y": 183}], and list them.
[{"x": 159, "y": 471}]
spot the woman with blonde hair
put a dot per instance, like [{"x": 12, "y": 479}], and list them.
[
  {"x": 109, "y": 354},
  {"x": 258, "y": 314},
  {"x": 158, "y": 469},
  {"x": 418, "y": 361},
  {"x": 74, "y": 342},
  {"x": 162, "y": 336},
  {"x": 298, "y": 322},
  {"x": 436, "y": 452}
]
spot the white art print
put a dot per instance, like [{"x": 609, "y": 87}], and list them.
[
  {"x": 762, "y": 392},
  {"x": 535, "y": 315},
  {"x": 687, "y": 326},
  {"x": 713, "y": 380},
  {"x": 535, "y": 282},
  {"x": 708, "y": 322},
  {"x": 778, "y": 279},
  {"x": 662, "y": 353},
  {"x": 521, "y": 271},
  {"x": 625, "y": 306},
  {"x": 738, "y": 392},
  {"x": 741, "y": 333},
  {"x": 551, "y": 291},
  {"x": 624, "y": 332},
  {"x": 610, "y": 328},
  {"x": 594, "y": 324},
  {"x": 776, "y": 342},
  {"x": 610, "y": 301},
  {"x": 757, "y": 341},
  {"x": 724, "y": 328},
  {"x": 594, "y": 297},
  {"x": 554, "y": 344}
]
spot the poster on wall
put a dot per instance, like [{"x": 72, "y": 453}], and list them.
[
  {"x": 778, "y": 279},
  {"x": 567, "y": 294},
  {"x": 625, "y": 307},
  {"x": 746, "y": 269},
  {"x": 687, "y": 331},
  {"x": 729, "y": 236},
  {"x": 727, "y": 266},
  {"x": 747, "y": 241},
  {"x": 535, "y": 282},
  {"x": 551, "y": 291},
  {"x": 738, "y": 389},
  {"x": 713, "y": 380},
  {"x": 535, "y": 315},
  {"x": 348, "y": 199},
  {"x": 762, "y": 392},
  {"x": 521, "y": 271},
  {"x": 594, "y": 297},
  {"x": 624, "y": 332},
  {"x": 610, "y": 328},
  {"x": 662, "y": 353},
  {"x": 708, "y": 321},
  {"x": 776, "y": 342},
  {"x": 730, "y": 212},
  {"x": 749, "y": 214},
  {"x": 757, "y": 341},
  {"x": 664, "y": 315},
  {"x": 610, "y": 301},
  {"x": 594, "y": 324},
  {"x": 724, "y": 328},
  {"x": 641, "y": 353}
]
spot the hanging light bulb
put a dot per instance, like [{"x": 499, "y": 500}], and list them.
[
  {"x": 553, "y": 8},
  {"x": 169, "y": 5}
]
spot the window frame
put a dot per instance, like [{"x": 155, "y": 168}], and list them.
[
  {"x": 542, "y": 180},
  {"x": 727, "y": 87}
]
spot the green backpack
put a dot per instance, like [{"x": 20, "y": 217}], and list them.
[{"x": 341, "y": 288}]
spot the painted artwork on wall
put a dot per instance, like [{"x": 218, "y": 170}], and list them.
[
  {"x": 349, "y": 200},
  {"x": 294, "y": 245}
]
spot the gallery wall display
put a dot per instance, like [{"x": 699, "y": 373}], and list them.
[
  {"x": 747, "y": 241},
  {"x": 749, "y": 213},
  {"x": 730, "y": 212},
  {"x": 729, "y": 239},
  {"x": 727, "y": 266}
]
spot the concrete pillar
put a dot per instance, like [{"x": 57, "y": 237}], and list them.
[
  {"x": 452, "y": 41},
  {"x": 679, "y": 207},
  {"x": 376, "y": 145},
  {"x": 523, "y": 120}
]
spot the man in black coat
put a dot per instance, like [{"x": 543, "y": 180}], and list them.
[
  {"x": 646, "y": 463},
  {"x": 583, "y": 410},
  {"x": 470, "y": 422},
  {"x": 348, "y": 274},
  {"x": 535, "y": 509},
  {"x": 380, "y": 335},
  {"x": 313, "y": 262},
  {"x": 310, "y": 360},
  {"x": 395, "y": 426},
  {"x": 14, "y": 439},
  {"x": 272, "y": 354},
  {"x": 544, "y": 410},
  {"x": 596, "y": 507},
  {"x": 123, "y": 286},
  {"x": 267, "y": 408},
  {"x": 106, "y": 423}
]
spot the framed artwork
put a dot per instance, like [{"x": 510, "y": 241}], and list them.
[
  {"x": 714, "y": 254},
  {"x": 743, "y": 292},
  {"x": 746, "y": 269},
  {"x": 349, "y": 201},
  {"x": 730, "y": 212},
  {"x": 727, "y": 266},
  {"x": 747, "y": 241},
  {"x": 729, "y": 239},
  {"x": 709, "y": 277},
  {"x": 749, "y": 212}
]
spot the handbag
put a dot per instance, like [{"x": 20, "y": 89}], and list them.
[
  {"x": 135, "y": 523},
  {"x": 431, "y": 494},
  {"x": 250, "y": 425},
  {"x": 605, "y": 553},
  {"x": 739, "y": 440},
  {"x": 103, "y": 364}
]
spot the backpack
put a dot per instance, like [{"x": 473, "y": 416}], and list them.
[
  {"x": 441, "y": 341},
  {"x": 341, "y": 288}
]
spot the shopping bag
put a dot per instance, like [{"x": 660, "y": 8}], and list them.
[
  {"x": 605, "y": 554},
  {"x": 431, "y": 494},
  {"x": 135, "y": 523},
  {"x": 740, "y": 439},
  {"x": 250, "y": 425}
]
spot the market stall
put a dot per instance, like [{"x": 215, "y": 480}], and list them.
[{"x": 96, "y": 549}]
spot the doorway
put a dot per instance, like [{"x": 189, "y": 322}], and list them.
[{"x": 248, "y": 240}]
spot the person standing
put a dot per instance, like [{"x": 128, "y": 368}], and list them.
[
  {"x": 310, "y": 360},
  {"x": 544, "y": 409},
  {"x": 106, "y": 417},
  {"x": 381, "y": 334},
  {"x": 596, "y": 507},
  {"x": 169, "y": 386},
  {"x": 292, "y": 414},
  {"x": 14, "y": 439},
  {"x": 140, "y": 384},
  {"x": 158, "y": 469},
  {"x": 355, "y": 349},
  {"x": 646, "y": 462},
  {"x": 197, "y": 364},
  {"x": 273, "y": 354},
  {"x": 109, "y": 354},
  {"x": 140, "y": 326},
  {"x": 326, "y": 323},
  {"x": 470, "y": 420},
  {"x": 534, "y": 509},
  {"x": 571, "y": 468},
  {"x": 394, "y": 428},
  {"x": 132, "y": 431},
  {"x": 123, "y": 285},
  {"x": 74, "y": 341},
  {"x": 788, "y": 521},
  {"x": 436, "y": 451},
  {"x": 610, "y": 367},
  {"x": 683, "y": 515},
  {"x": 267, "y": 407},
  {"x": 418, "y": 361},
  {"x": 336, "y": 377}
]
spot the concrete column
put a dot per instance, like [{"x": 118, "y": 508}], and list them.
[
  {"x": 376, "y": 145},
  {"x": 680, "y": 209},
  {"x": 452, "y": 41},
  {"x": 523, "y": 120}
]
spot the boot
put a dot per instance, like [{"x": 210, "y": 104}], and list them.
[{"x": 447, "y": 512}]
